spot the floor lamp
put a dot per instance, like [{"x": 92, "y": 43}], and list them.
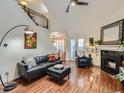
[{"x": 28, "y": 30}]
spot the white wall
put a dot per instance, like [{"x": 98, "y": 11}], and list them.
[{"x": 12, "y": 15}]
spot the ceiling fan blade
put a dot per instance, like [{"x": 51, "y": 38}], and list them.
[
  {"x": 67, "y": 10},
  {"x": 82, "y": 3}
]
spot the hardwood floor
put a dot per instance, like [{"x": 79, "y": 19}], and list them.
[{"x": 83, "y": 80}]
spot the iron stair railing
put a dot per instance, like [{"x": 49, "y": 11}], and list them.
[{"x": 33, "y": 15}]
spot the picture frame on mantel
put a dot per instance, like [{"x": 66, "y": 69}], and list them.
[{"x": 112, "y": 33}]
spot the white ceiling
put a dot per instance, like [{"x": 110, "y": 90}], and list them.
[{"x": 83, "y": 17}]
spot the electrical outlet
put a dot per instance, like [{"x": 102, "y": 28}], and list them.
[{"x": 6, "y": 73}]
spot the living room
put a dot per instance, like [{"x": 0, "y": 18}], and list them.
[{"x": 68, "y": 32}]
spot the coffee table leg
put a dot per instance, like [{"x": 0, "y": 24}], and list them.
[
  {"x": 50, "y": 77},
  {"x": 61, "y": 81}
]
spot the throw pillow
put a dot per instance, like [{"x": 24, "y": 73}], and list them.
[
  {"x": 80, "y": 53},
  {"x": 30, "y": 61},
  {"x": 51, "y": 57}
]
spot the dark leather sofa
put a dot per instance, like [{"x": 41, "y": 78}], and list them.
[
  {"x": 37, "y": 70},
  {"x": 84, "y": 61}
]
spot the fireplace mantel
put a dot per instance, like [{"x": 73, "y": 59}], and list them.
[{"x": 111, "y": 48}]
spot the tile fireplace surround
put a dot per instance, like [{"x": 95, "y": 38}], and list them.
[
  {"x": 111, "y": 61},
  {"x": 110, "y": 58}
]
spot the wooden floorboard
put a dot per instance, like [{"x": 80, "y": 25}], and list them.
[{"x": 83, "y": 80}]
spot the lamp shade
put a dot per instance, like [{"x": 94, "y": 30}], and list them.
[{"x": 28, "y": 30}]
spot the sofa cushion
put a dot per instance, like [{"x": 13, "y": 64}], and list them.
[
  {"x": 80, "y": 53},
  {"x": 41, "y": 59},
  {"x": 30, "y": 61},
  {"x": 46, "y": 64},
  {"x": 37, "y": 67},
  {"x": 83, "y": 60},
  {"x": 49, "y": 64},
  {"x": 36, "y": 71}
]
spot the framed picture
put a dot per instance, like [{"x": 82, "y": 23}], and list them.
[
  {"x": 112, "y": 33},
  {"x": 30, "y": 41}
]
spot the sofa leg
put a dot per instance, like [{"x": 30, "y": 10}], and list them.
[
  {"x": 29, "y": 81},
  {"x": 50, "y": 78},
  {"x": 68, "y": 77}
]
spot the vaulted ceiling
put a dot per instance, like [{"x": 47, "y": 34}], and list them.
[{"x": 82, "y": 18}]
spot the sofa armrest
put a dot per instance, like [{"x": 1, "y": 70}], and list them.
[{"x": 22, "y": 68}]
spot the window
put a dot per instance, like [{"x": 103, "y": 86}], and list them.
[
  {"x": 80, "y": 44},
  {"x": 76, "y": 44},
  {"x": 72, "y": 48}
]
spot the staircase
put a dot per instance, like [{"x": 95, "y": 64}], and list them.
[{"x": 37, "y": 18}]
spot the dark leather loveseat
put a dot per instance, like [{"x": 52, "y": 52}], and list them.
[{"x": 37, "y": 70}]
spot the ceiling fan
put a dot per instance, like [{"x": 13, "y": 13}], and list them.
[{"x": 75, "y": 2}]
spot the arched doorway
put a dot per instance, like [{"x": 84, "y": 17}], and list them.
[{"x": 58, "y": 39}]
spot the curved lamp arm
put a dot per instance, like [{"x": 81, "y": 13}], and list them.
[{"x": 10, "y": 31}]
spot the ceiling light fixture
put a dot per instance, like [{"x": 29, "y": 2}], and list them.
[{"x": 73, "y": 3}]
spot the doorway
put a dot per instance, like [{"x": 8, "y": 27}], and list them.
[{"x": 58, "y": 39}]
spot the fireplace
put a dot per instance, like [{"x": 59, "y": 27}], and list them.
[{"x": 111, "y": 61}]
